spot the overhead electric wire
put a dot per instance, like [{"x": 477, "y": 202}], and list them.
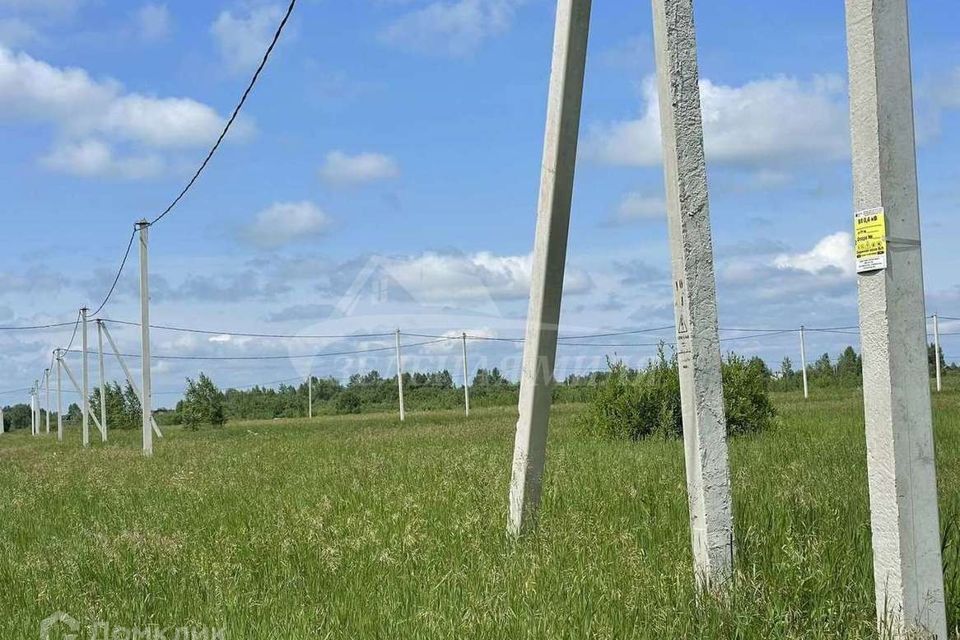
[
  {"x": 116, "y": 279},
  {"x": 73, "y": 337},
  {"x": 277, "y": 357},
  {"x": 233, "y": 116},
  {"x": 37, "y": 327},
  {"x": 249, "y": 335}
]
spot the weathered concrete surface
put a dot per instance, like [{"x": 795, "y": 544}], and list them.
[
  {"x": 902, "y": 475},
  {"x": 549, "y": 259},
  {"x": 691, "y": 247},
  {"x": 85, "y": 380},
  {"x": 146, "y": 392}
]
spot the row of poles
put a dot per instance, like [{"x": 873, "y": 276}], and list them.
[
  {"x": 905, "y": 528},
  {"x": 143, "y": 392},
  {"x": 38, "y": 413}
]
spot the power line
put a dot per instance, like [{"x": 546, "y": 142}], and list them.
[
  {"x": 252, "y": 335},
  {"x": 123, "y": 263},
  {"x": 73, "y": 337},
  {"x": 37, "y": 327},
  {"x": 233, "y": 116},
  {"x": 277, "y": 357}
]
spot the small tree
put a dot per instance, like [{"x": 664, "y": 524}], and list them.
[{"x": 202, "y": 404}]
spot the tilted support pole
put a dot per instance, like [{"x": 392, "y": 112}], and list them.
[
  {"x": 129, "y": 376},
  {"x": 76, "y": 386}
]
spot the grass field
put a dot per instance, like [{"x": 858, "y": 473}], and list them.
[{"x": 359, "y": 528}]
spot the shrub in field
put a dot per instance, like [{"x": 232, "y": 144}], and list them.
[
  {"x": 347, "y": 402},
  {"x": 745, "y": 395},
  {"x": 634, "y": 404},
  {"x": 202, "y": 404}
]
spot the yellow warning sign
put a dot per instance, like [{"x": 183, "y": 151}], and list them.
[{"x": 870, "y": 230}]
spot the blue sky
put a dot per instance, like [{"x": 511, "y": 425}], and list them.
[{"x": 410, "y": 132}]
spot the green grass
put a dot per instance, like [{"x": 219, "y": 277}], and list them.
[{"x": 355, "y": 527}]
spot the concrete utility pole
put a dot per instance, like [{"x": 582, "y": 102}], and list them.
[
  {"x": 103, "y": 383},
  {"x": 57, "y": 354},
  {"x": 3, "y": 425},
  {"x": 695, "y": 304},
  {"x": 400, "y": 377},
  {"x": 146, "y": 394},
  {"x": 803, "y": 364},
  {"x": 466, "y": 380},
  {"x": 907, "y": 565},
  {"x": 46, "y": 378},
  {"x": 35, "y": 429},
  {"x": 310, "y": 395},
  {"x": 549, "y": 260},
  {"x": 85, "y": 381},
  {"x": 936, "y": 351}
]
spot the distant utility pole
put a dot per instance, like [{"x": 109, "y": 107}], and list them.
[
  {"x": 695, "y": 297},
  {"x": 466, "y": 379},
  {"x": 400, "y": 377},
  {"x": 46, "y": 378},
  {"x": 3, "y": 425},
  {"x": 936, "y": 351},
  {"x": 85, "y": 381},
  {"x": 103, "y": 383},
  {"x": 58, "y": 354},
  {"x": 310, "y": 395},
  {"x": 803, "y": 364},
  {"x": 146, "y": 395},
  {"x": 549, "y": 260},
  {"x": 908, "y": 571}
]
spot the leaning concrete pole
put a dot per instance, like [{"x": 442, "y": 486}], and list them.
[
  {"x": 103, "y": 383},
  {"x": 695, "y": 304},
  {"x": 58, "y": 355},
  {"x": 936, "y": 351},
  {"x": 549, "y": 260},
  {"x": 803, "y": 363},
  {"x": 466, "y": 380},
  {"x": 907, "y": 566},
  {"x": 146, "y": 395},
  {"x": 400, "y": 378},
  {"x": 85, "y": 381},
  {"x": 46, "y": 379}
]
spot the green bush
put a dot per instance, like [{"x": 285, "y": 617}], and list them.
[
  {"x": 631, "y": 404},
  {"x": 347, "y": 402},
  {"x": 202, "y": 404}
]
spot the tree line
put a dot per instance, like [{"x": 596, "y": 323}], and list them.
[{"x": 204, "y": 403}]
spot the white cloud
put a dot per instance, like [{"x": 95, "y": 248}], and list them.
[
  {"x": 94, "y": 158},
  {"x": 242, "y": 39},
  {"x": 14, "y": 32},
  {"x": 771, "y": 121},
  {"x": 454, "y": 28},
  {"x": 341, "y": 169},
  {"x": 82, "y": 108},
  {"x": 153, "y": 22},
  {"x": 636, "y": 206},
  {"x": 436, "y": 277},
  {"x": 832, "y": 253},
  {"x": 286, "y": 222}
]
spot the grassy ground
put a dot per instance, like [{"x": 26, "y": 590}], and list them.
[{"x": 357, "y": 528}]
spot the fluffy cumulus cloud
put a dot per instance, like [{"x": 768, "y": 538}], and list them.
[
  {"x": 343, "y": 169},
  {"x": 82, "y": 108},
  {"x": 439, "y": 277},
  {"x": 832, "y": 253},
  {"x": 779, "y": 120},
  {"x": 455, "y": 28},
  {"x": 243, "y": 37},
  {"x": 94, "y": 158},
  {"x": 286, "y": 222}
]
